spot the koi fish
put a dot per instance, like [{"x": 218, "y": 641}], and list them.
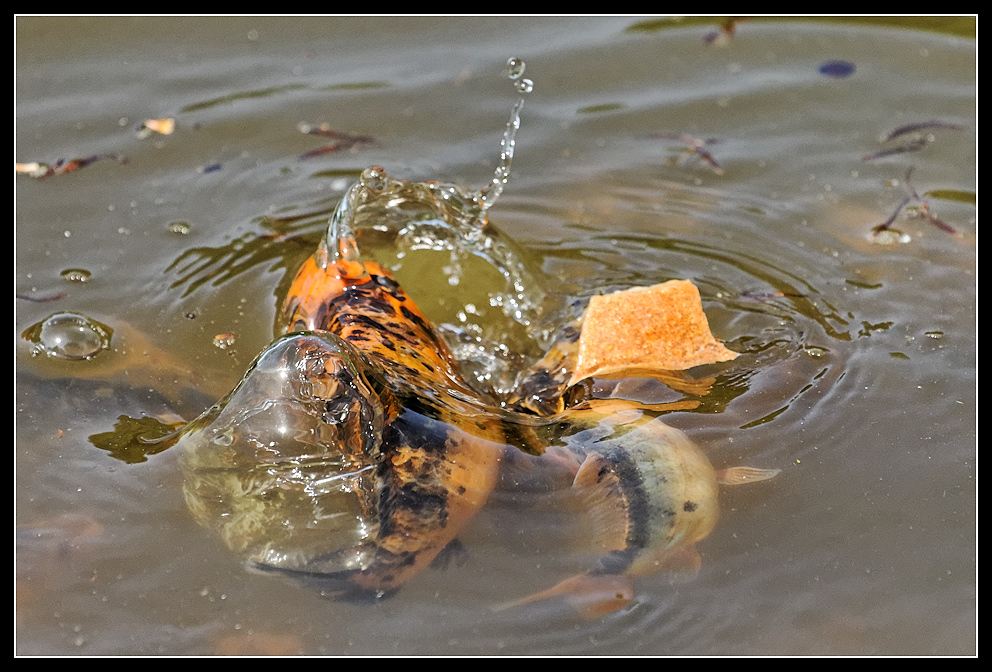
[
  {"x": 389, "y": 454},
  {"x": 650, "y": 494}
]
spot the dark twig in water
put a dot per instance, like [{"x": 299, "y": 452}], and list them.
[
  {"x": 923, "y": 210},
  {"x": 42, "y": 299},
  {"x": 914, "y": 143},
  {"x": 62, "y": 166},
  {"x": 694, "y": 147},
  {"x": 922, "y": 125},
  {"x": 911, "y": 146},
  {"x": 342, "y": 141},
  {"x": 884, "y": 226},
  {"x": 755, "y": 295}
]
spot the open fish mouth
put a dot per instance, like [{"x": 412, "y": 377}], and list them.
[{"x": 283, "y": 467}]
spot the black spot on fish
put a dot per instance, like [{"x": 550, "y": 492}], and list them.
[
  {"x": 383, "y": 281},
  {"x": 689, "y": 507},
  {"x": 570, "y": 334}
]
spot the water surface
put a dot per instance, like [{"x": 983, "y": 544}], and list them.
[{"x": 860, "y": 372}]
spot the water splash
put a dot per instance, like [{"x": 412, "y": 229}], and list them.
[
  {"x": 375, "y": 187},
  {"x": 281, "y": 466},
  {"x": 399, "y": 216},
  {"x": 487, "y": 195}
]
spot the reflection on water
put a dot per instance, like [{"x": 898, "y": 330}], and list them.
[{"x": 864, "y": 544}]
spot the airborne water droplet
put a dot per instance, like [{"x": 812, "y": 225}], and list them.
[
  {"x": 488, "y": 194},
  {"x": 515, "y": 68}
]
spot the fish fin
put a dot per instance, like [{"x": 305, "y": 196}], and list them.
[
  {"x": 599, "y": 490},
  {"x": 454, "y": 553},
  {"x": 591, "y": 595},
  {"x": 685, "y": 561},
  {"x": 742, "y": 475},
  {"x": 563, "y": 458}
]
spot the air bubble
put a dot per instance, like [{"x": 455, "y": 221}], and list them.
[
  {"x": 69, "y": 336},
  {"x": 76, "y": 275}
]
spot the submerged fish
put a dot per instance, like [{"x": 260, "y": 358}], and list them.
[{"x": 650, "y": 494}]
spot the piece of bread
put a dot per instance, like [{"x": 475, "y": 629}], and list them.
[{"x": 662, "y": 327}]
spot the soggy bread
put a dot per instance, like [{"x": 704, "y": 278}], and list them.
[{"x": 661, "y": 327}]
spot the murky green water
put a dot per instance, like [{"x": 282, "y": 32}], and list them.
[{"x": 859, "y": 378}]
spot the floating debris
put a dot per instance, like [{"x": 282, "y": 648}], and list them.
[
  {"x": 921, "y": 209},
  {"x": 44, "y": 298},
  {"x": 342, "y": 141},
  {"x": 694, "y": 147},
  {"x": 836, "y": 69},
  {"x": 41, "y": 170},
  {"x": 755, "y": 295},
  {"x": 914, "y": 143},
  {"x": 164, "y": 126},
  {"x": 920, "y": 126},
  {"x": 721, "y": 36}
]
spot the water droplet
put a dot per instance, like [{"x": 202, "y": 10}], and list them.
[
  {"x": 515, "y": 68},
  {"x": 181, "y": 228},
  {"x": 69, "y": 336},
  {"x": 76, "y": 275},
  {"x": 374, "y": 178},
  {"x": 524, "y": 85}
]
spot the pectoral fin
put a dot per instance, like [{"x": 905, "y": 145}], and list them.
[
  {"x": 591, "y": 595},
  {"x": 742, "y": 475},
  {"x": 599, "y": 489}
]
